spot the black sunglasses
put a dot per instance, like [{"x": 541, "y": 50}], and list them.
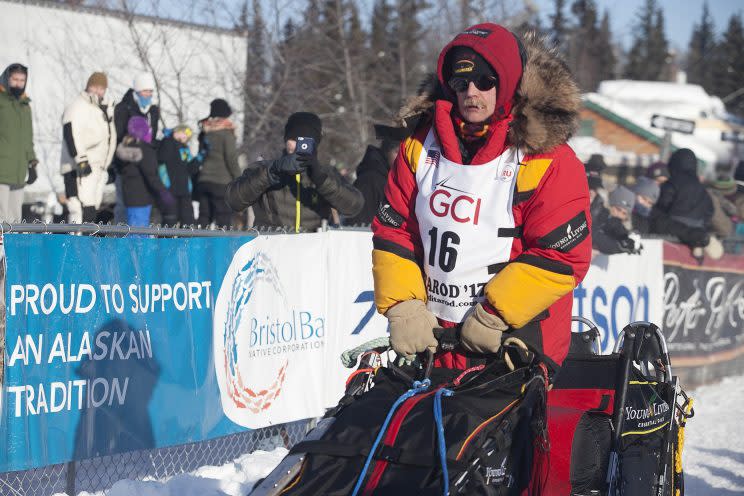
[{"x": 483, "y": 83}]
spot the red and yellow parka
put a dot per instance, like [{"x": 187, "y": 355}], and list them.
[{"x": 536, "y": 112}]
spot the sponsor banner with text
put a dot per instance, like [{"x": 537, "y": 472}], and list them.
[{"x": 703, "y": 307}]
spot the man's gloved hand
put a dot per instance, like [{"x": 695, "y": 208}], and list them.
[
  {"x": 631, "y": 244},
  {"x": 84, "y": 168},
  {"x": 482, "y": 330},
  {"x": 317, "y": 172},
  {"x": 289, "y": 164},
  {"x": 411, "y": 328},
  {"x": 636, "y": 239},
  {"x": 32, "y": 174}
]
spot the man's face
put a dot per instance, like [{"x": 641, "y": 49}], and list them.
[
  {"x": 17, "y": 80},
  {"x": 98, "y": 91},
  {"x": 290, "y": 145},
  {"x": 145, "y": 93},
  {"x": 475, "y": 105}
]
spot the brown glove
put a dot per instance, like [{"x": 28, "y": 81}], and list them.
[
  {"x": 411, "y": 328},
  {"x": 481, "y": 331}
]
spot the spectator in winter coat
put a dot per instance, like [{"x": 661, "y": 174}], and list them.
[
  {"x": 609, "y": 234},
  {"x": 177, "y": 167},
  {"x": 89, "y": 137},
  {"x": 271, "y": 186},
  {"x": 594, "y": 168},
  {"x": 17, "y": 158},
  {"x": 373, "y": 170},
  {"x": 722, "y": 191},
  {"x": 137, "y": 101},
  {"x": 684, "y": 208},
  {"x": 486, "y": 195},
  {"x": 141, "y": 185},
  {"x": 220, "y": 164},
  {"x": 647, "y": 193}
]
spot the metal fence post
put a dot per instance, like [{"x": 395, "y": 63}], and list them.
[{"x": 70, "y": 478}]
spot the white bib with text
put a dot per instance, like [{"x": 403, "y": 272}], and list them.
[{"x": 461, "y": 210}]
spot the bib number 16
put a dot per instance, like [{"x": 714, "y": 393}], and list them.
[{"x": 447, "y": 252}]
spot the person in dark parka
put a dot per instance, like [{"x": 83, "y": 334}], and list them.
[
  {"x": 141, "y": 185},
  {"x": 684, "y": 208},
  {"x": 372, "y": 171},
  {"x": 180, "y": 166},
  {"x": 220, "y": 164},
  {"x": 270, "y": 186}
]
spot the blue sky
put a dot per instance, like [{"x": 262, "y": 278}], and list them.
[{"x": 679, "y": 16}]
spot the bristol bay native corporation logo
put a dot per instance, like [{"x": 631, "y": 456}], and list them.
[{"x": 257, "y": 331}]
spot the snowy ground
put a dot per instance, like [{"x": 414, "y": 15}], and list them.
[
  {"x": 714, "y": 446},
  {"x": 713, "y": 456}
]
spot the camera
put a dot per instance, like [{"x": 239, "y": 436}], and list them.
[{"x": 305, "y": 146}]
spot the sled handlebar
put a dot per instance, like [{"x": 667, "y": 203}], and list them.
[{"x": 448, "y": 337}]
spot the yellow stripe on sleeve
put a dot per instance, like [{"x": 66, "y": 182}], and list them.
[
  {"x": 531, "y": 172},
  {"x": 396, "y": 279},
  {"x": 413, "y": 149},
  {"x": 521, "y": 291}
]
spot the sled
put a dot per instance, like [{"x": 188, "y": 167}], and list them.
[{"x": 607, "y": 425}]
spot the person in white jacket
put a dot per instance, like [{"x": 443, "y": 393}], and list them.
[{"x": 89, "y": 137}]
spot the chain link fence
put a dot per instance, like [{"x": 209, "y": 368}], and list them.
[{"x": 99, "y": 474}]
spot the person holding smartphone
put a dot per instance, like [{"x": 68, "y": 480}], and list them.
[{"x": 294, "y": 190}]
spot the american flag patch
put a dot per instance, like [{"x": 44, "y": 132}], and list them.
[{"x": 432, "y": 158}]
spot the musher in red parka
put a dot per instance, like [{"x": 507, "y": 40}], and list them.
[{"x": 486, "y": 219}]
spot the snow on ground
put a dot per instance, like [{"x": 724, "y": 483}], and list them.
[
  {"x": 714, "y": 441},
  {"x": 232, "y": 479},
  {"x": 713, "y": 456}
]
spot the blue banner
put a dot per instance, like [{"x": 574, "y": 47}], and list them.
[{"x": 109, "y": 345}]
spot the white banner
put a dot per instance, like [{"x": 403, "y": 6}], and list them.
[
  {"x": 620, "y": 289},
  {"x": 270, "y": 330},
  {"x": 289, "y": 306},
  {"x": 352, "y": 318}
]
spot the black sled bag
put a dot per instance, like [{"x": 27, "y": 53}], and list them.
[{"x": 492, "y": 436}]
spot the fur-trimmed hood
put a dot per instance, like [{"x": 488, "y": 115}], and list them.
[{"x": 546, "y": 104}]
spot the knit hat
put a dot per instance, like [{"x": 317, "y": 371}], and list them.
[
  {"x": 219, "y": 108},
  {"x": 622, "y": 197},
  {"x": 97, "y": 79},
  {"x": 594, "y": 168},
  {"x": 139, "y": 128},
  {"x": 144, "y": 82},
  {"x": 304, "y": 124},
  {"x": 645, "y": 186},
  {"x": 656, "y": 170}
]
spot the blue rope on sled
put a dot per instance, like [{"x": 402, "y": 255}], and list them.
[
  {"x": 440, "y": 435},
  {"x": 418, "y": 387}
]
